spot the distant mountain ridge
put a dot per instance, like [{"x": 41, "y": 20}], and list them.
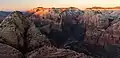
[
  {"x": 4, "y": 13},
  {"x": 108, "y": 8}
]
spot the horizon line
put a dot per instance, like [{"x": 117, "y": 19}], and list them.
[{"x": 54, "y": 7}]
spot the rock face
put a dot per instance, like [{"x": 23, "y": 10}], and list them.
[
  {"x": 19, "y": 32},
  {"x": 12, "y": 30},
  {"x": 71, "y": 25},
  {"x": 35, "y": 39},
  {"x": 60, "y": 26},
  {"x": 101, "y": 28},
  {"x": 102, "y": 31},
  {"x": 111, "y": 35}
]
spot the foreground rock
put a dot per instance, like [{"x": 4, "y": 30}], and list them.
[
  {"x": 20, "y": 32},
  {"x": 7, "y": 51},
  {"x": 52, "y": 52},
  {"x": 12, "y": 30}
]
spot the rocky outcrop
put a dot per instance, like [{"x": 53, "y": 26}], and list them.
[
  {"x": 97, "y": 25},
  {"x": 20, "y": 32},
  {"x": 111, "y": 35},
  {"x": 12, "y": 30},
  {"x": 35, "y": 39}
]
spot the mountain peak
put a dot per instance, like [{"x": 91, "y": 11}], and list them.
[{"x": 16, "y": 13}]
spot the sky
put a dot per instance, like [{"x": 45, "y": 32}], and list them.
[{"x": 29, "y": 4}]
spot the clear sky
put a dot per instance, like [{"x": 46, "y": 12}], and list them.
[{"x": 29, "y": 4}]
